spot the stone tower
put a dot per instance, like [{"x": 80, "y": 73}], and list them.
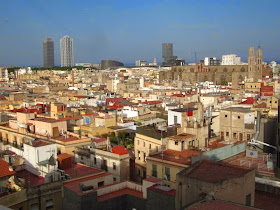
[
  {"x": 251, "y": 63},
  {"x": 258, "y": 74}
]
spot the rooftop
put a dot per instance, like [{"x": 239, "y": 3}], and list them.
[
  {"x": 181, "y": 136},
  {"x": 5, "y": 169},
  {"x": 120, "y": 192},
  {"x": 80, "y": 170},
  {"x": 238, "y": 109},
  {"x": 162, "y": 189},
  {"x": 39, "y": 143},
  {"x": 210, "y": 171},
  {"x": 31, "y": 180},
  {"x": 181, "y": 157},
  {"x": 119, "y": 150}
]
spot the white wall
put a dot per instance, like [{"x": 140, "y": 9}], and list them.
[{"x": 171, "y": 115}]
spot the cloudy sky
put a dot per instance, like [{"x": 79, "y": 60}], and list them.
[{"x": 135, "y": 29}]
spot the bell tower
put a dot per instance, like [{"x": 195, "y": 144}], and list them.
[
  {"x": 251, "y": 63},
  {"x": 258, "y": 74}
]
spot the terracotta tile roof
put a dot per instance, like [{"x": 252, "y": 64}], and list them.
[
  {"x": 120, "y": 150},
  {"x": 4, "y": 169},
  {"x": 210, "y": 171}
]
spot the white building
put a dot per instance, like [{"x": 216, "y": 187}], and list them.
[
  {"x": 40, "y": 157},
  {"x": 66, "y": 51},
  {"x": 231, "y": 60}
]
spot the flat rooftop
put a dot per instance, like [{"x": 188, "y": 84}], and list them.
[
  {"x": 259, "y": 164},
  {"x": 181, "y": 157},
  {"x": 80, "y": 170}
]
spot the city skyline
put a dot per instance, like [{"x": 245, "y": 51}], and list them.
[{"x": 228, "y": 27}]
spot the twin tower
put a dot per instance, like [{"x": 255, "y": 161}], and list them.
[{"x": 255, "y": 66}]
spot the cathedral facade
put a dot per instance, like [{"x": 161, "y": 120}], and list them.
[{"x": 221, "y": 74}]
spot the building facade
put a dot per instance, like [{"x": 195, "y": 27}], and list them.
[
  {"x": 48, "y": 52},
  {"x": 66, "y": 51},
  {"x": 231, "y": 60}
]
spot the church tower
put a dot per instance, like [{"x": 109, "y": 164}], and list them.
[
  {"x": 251, "y": 63},
  {"x": 259, "y": 64}
]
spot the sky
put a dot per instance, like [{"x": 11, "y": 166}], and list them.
[{"x": 128, "y": 30}]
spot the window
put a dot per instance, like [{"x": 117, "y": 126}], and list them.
[
  {"x": 269, "y": 101},
  {"x": 150, "y": 146},
  {"x": 138, "y": 142},
  {"x": 234, "y": 135},
  {"x": 49, "y": 204},
  {"x": 176, "y": 142},
  {"x": 139, "y": 155},
  {"x": 143, "y": 144},
  {"x": 95, "y": 160},
  {"x": 100, "y": 184},
  {"x": 226, "y": 115},
  {"x": 227, "y": 134},
  {"x": 238, "y": 117},
  {"x": 248, "y": 137},
  {"x": 114, "y": 179},
  {"x": 175, "y": 119},
  {"x": 114, "y": 166},
  {"x": 154, "y": 170},
  {"x": 35, "y": 206},
  {"x": 167, "y": 173}
]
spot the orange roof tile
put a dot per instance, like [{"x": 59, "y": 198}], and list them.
[
  {"x": 210, "y": 171},
  {"x": 120, "y": 150},
  {"x": 4, "y": 169}
]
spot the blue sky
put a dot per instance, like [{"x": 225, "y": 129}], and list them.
[{"x": 135, "y": 29}]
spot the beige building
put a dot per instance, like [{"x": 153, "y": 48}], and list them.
[
  {"x": 149, "y": 140},
  {"x": 165, "y": 165},
  {"x": 236, "y": 124},
  {"x": 218, "y": 180},
  {"x": 115, "y": 162}
]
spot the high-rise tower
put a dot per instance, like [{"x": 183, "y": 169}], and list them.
[
  {"x": 167, "y": 54},
  {"x": 66, "y": 51},
  {"x": 251, "y": 63},
  {"x": 48, "y": 52}
]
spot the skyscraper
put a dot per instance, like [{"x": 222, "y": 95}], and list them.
[
  {"x": 66, "y": 51},
  {"x": 48, "y": 52},
  {"x": 167, "y": 54}
]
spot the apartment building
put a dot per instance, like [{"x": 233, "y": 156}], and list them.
[{"x": 237, "y": 124}]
